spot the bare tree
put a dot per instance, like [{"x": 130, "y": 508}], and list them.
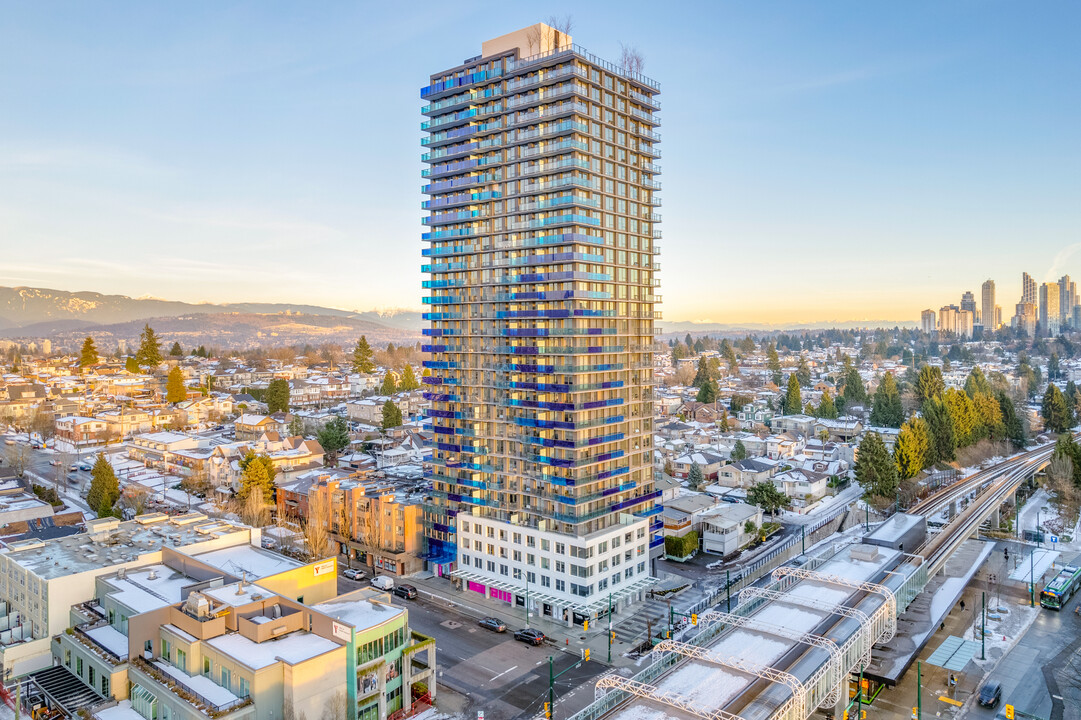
[
  {"x": 337, "y": 707},
  {"x": 631, "y": 59},
  {"x": 316, "y": 531},
  {"x": 18, "y": 458},
  {"x": 64, "y": 461},
  {"x": 345, "y": 530},
  {"x": 559, "y": 31},
  {"x": 135, "y": 497},
  {"x": 254, "y": 511},
  {"x": 197, "y": 483}
]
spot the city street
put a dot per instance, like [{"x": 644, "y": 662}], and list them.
[{"x": 500, "y": 675}]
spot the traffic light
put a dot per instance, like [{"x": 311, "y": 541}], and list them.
[
  {"x": 612, "y": 635},
  {"x": 585, "y": 654},
  {"x": 694, "y": 618},
  {"x": 1009, "y": 712},
  {"x": 585, "y": 625},
  {"x": 547, "y": 710}
]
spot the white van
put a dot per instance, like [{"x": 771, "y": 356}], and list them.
[{"x": 383, "y": 582}]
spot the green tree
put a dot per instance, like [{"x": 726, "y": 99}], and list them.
[
  {"x": 256, "y": 479},
  {"x": 793, "y": 402},
  {"x": 334, "y": 437},
  {"x": 1067, "y": 447},
  {"x": 132, "y": 365},
  {"x": 149, "y": 353},
  {"x": 706, "y": 371},
  {"x": 104, "y": 487},
  {"x": 826, "y": 408},
  {"x": 409, "y": 379},
  {"x": 854, "y": 392},
  {"x": 392, "y": 415},
  {"x": 929, "y": 384},
  {"x": 912, "y": 448},
  {"x": 976, "y": 382},
  {"x": 363, "y": 357},
  {"x": 296, "y": 426},
  {"x": 1054, "y": 370},
  {"x": 89, "y": 354},
  {"x": 708, "y": 392},
  {"x": 1054, "y": 411},
  {"x": 766, "y": 496},
  {"x": 737, "y": 402},
  {"x": 389, "y": 385},
  {"x": 774, "y": 363},
  {"x": 176, "y": 350},
  {"x": 175, "y": 389},
  {"x": 963, "y": 414},
  {"x": 988, "y": 416},
  {"x": 277, "y": 396},
  {"x": 940, "y": 425},
  {"x": 1013, "y": 425},
  {"x": 695, "y": 478},
  {"x": 739, "y": 451},
  {"x": 875, "y": 470},
  {"x": 803, "y": 372},
  {"x": 886, "y": 410},
  {"x": 729, "y": 354}
]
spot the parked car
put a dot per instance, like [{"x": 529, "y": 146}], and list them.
[
  {"x": 990, "y": 694},
  {"x": 383, "y": 582},
  {"x": 530, "y": 635},
  {"x": 353, "y": 573},
  {"x": 85, "y": 466},
  {"x": 54, "y": 463},
  {"x": 493, "y": 624},
  {"x": 406, "y": 591}
]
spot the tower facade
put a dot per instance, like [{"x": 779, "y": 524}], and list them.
[
  {"x": 1028, "y": 289},
  {"x": 1050, "y": 308},
  {"x": 987, "y": 306},
  {"x": 542, "y": 263}
]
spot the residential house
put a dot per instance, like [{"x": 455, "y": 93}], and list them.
[
  {"x": 804, "y": 487},
  {"x": 746, "y": 473},
  {"x": 80, "y": 432},
  {"x": 724, "y": 527}
]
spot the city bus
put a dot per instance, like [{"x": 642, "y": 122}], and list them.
[{"x": 1059, "y": 590}]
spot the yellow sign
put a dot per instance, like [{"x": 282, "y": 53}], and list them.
[
  {"x": 585, "y": 625},
  {"x": 1009, "y": 712}
]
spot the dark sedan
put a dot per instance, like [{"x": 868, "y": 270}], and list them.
[
  {"x": 406, "y": 591},
  {"x": 990, "y": 694},
  {"x": 529, "y": 635}
]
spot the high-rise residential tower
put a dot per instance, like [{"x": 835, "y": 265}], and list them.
[
  {"x": 542, "y": 260},
  {"x": 1067, "y": 298},
  {"x": 927, "y": 321},
  {"x": 987, "y": 306},
  {"x": 968, "y": 302},
  {"x": 1028, "y": 289},
  {"x": 1050, "y": 320}
]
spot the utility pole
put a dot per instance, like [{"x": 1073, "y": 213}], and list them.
[
  {"x": 919, "y": 693},
  {"x": 983, "y": 629},
  {"x": 527, "y": 600},
  {"x": 1031, "y": 580},
  {"x": 1039, "y": 535},
  {"x": 728, "y": 587},
  {"x": 609, "y": 628},
  {"x": 803, "y": 539}
]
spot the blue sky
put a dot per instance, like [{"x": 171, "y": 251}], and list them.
[{"x": 822, "y": 160}]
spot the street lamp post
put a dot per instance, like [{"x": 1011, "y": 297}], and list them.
[{"x": 609, "y": 628}]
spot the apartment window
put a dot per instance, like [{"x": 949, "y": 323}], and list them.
[
  {"x": 226, "y": 678},
  {"x": 602, "y": 548},
  {"x": 465, "y": 526},
  {"x": 477, "y": 563},
  {"x": 531, "y": 577},
  {"x": 517, "y": 538},
  {"x": 105, "y": 685},
  {"x": 206, "y": 666},
  {"x": 491, "y": 566},
  {"x": 545, "y": 545},
  {"x": 243, "y": 689},
  {"x": 641, "y": 567},
  {"x": 531, "y": 559},
  {"x": 602, "y": 585},
  {"x": 530, "y": 541},
  {"x": 166, "y": 650},
  {"x": 517, "y": 556},
  {"x": 560, "y": 566},
  {"x": 503, "y": 569},
  {"x": 91, "y": 677},
  {"x": 561, "y": 549},
  {"x": 561, "y": 586},
  {"x": 181, "y": 659},
  {"x": 67, "y": 658},
  {"x": 79, "y": 666},
  {"x": 517, "y": 573},
  {"x": 628, "y": 573},
  {"x": 544, "y": 563},
  {"x": 545, "y": 581},
  {"x": 615, "y": 542}
]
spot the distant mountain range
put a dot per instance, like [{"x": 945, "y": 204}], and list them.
[
  {"x": 63, "y": 316},
  {"x": 682, "y": 327}
]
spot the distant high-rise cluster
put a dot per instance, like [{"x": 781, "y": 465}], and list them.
[{"x": 1045, "y": 309}]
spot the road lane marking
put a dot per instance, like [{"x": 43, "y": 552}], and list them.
[
  {"x": 503, "y": 673},
  {"x": 951, "y": 701}
]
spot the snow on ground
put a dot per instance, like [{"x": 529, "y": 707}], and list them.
[
  {"x": 203, "y": 685},
  {"x": 946, "y": 595},
  {"x": 1034, "y": 564},
  {"x": 111, "y": 639},
  {"x": 1002, "y": 631}
]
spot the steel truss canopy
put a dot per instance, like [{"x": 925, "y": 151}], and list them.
[{"x": 600, "y": 605}]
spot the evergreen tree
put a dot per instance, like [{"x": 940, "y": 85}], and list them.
[
  {"x": 929, "y": 384},
  {"x": 803, "y": 373},
  {"x": 104, "y": 487},
  {"x": 363, "y": 357},
  {"x": 826, "y": 408},
  {"x": 976, "y": 382},
  {"x": 723, "y": 424},
  {"x": 392, "y": 415},
  {"x": 707, "y": 370},
  {"x": 695, "y": 478},
  {"x": 149, "y": 353},
  {"x": 766, "y": 496},
  {"x": 389, "y": 385},
  {"x": 875, "y": 470},
  {"x": 175, "y": 390},
  {"x": 202, "y": 352},
  {"x": 1054, "y": 411},
  {"x": 176, "y": 350},
  {"x": 1013, "y": 426},
  {"x": 89, "y": 354},
  {"x": 940, "y": 426},
  {"x": 912, "y": 448},
  {"x": 256, "y": 478},
  {"x": 132, "y": 365},
  {"x": 963, "y": 414},
  {"x": 277, "y": 396},
  {"x": 708, "y": 392},
  {"x": 730, "y": 356},
  {"x": 886, "y": 411},
  {"x": 793, "y": 402},
  {"x": 334, "y": 437},
  {"x": 774, "y": 363},
  {"x": 988, "y": 416},
  {"x": 1054, "y": 371},
  {"x": 409, "y": 379},
  {"x": 296, "y": 426},
  {"x": 739, "y": 451},
  {"x": 1067, "y": 447},
  {"x": 854, "y": 392}
]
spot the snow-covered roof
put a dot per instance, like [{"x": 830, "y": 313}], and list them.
[{"x": 292, "y": 649}]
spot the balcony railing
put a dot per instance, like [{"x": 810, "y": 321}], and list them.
[{"x": 186, "y": 692}]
